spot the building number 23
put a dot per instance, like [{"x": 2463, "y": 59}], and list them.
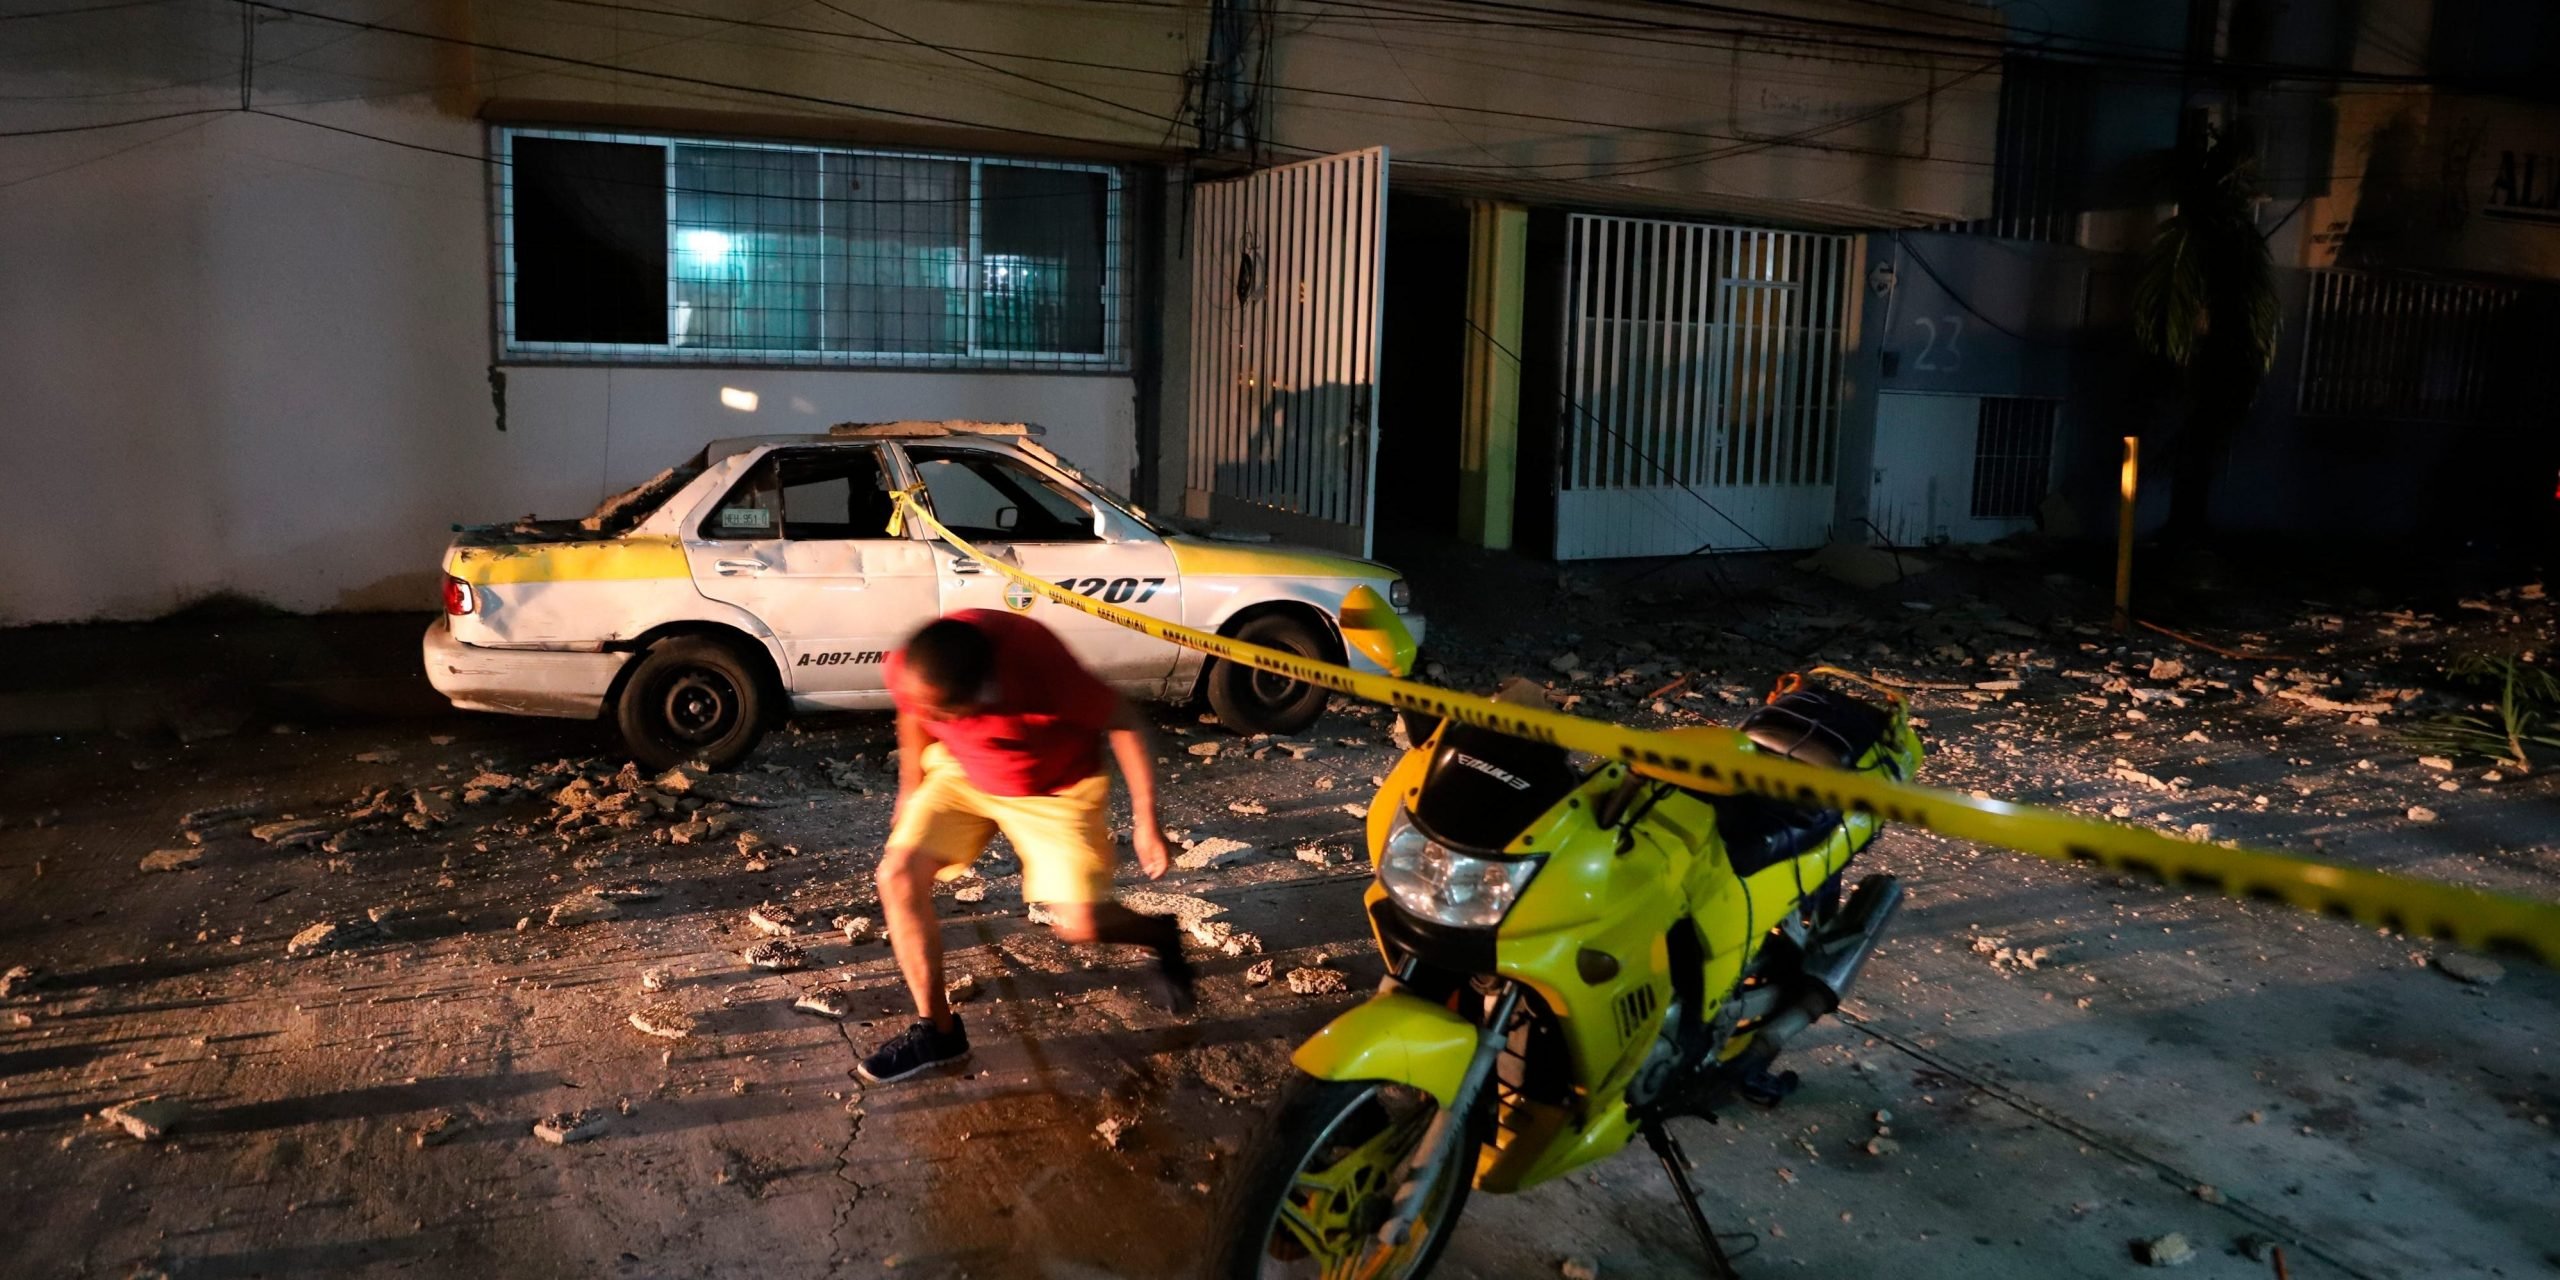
[{"x": 1937, "y": 357}]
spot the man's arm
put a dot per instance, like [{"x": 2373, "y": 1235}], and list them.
[
  {"x": 912, "y": 740},
  {"x": 1136, "y": 754}
]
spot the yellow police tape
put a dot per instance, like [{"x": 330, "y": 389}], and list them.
[{"x": 1725, "y": 762}]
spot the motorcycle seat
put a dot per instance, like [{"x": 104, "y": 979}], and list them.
[
  {"x": 1759, "y": 832},
  {"x": 1816, "y": 726}
]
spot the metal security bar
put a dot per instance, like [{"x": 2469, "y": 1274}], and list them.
[
  {"x": 2399, "y": 347},
  {"x": 1285, "y": 298},
  {"x": 2012, "y": 456},
  {"x": 633, "y": 248},
  {"x": 1703, "y": 372}
]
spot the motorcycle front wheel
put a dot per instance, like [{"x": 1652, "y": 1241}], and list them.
[{"x": 1314, "y": 1187}]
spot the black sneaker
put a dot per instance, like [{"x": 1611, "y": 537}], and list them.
[
  {"x": 1173, "y": 976},
  {"x": 916, "y": 1049}
]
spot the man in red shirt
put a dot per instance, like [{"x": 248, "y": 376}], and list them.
[{"x": 1001, "y": 729}]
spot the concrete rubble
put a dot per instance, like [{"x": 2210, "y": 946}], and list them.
[
  {"x": 566, "y": 1127},
  {"x": 2171, "y": 1250},
  {"x": 776, "y": 955},
  {"x": 172, "y": 859},
  {"x": 149, "y": 1119},
  {"x": 1213, "y": 852},
  {"x": 826, "y": 1002},
  {"x": 773, "y": 921},
  {"x": 1310, "y": 981},
  {"x": 333, "y": 935},
  {"x": 666, "y": 1021},
  {"x": 582, "y": 908}
]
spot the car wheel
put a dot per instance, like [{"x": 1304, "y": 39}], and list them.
[
  {"x": 1250, "y": 700},
  {"x": 691, "y": 699}
]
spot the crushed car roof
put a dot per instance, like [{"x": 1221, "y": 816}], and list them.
[{"x": 907, "y": 430}]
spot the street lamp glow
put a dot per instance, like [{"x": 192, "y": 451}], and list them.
[{"x": 705, "y": 247}]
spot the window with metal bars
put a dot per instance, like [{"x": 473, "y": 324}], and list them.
[
  {"x": 2039, "y": 173},
  {"x": 2012, "y": 456},
  {"x": 654, "y": 250},
  {"x": 2404, "y": 348}
]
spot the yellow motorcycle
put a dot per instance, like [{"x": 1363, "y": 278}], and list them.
[{"x": 1579, "y": 952}]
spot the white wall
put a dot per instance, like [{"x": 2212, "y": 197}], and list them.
[{"x": 252, "y": 356}]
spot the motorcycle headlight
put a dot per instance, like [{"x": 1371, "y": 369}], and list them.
[
  {"x": 1442, "y": 885},
  {"x": 1400, "y": 595}
]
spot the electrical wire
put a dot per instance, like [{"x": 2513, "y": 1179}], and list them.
[
  {"x": 1307, "y": 91},
  {"x": 74, "y": 13},
  {"x": 2166, "y": 65},
  {"x": 1960, "y": 300},
  {"x": 984, "y": 65},
  {"x": 96, "y": 125},
  {"x": 671, "y": 77},
  {"x": 85, "y": 162}
]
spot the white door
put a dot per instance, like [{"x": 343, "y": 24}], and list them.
[
  {"x": 1038, "y": 522},
  {"x": 1702, "y": 387},
  {"x": 1285, "y": 273},
  {"x": 801, "y": 541}
]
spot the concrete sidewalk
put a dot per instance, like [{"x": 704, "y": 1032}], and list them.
[{"x": 199, "y": 678}]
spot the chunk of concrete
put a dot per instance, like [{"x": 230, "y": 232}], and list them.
[
  {"x": 172, "y": 859},
  {"x": 149, "y": 1119}
]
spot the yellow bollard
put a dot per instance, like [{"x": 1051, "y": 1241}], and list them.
[{"x": 2124, "y": 533}]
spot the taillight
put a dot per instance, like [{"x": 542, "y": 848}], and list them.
[{"x": 459, "y": 596}]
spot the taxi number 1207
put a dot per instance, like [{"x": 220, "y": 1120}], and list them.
[{"x": 1115, "y": 590}]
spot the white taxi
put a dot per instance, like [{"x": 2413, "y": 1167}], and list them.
[{"x": 760, "y": 578}]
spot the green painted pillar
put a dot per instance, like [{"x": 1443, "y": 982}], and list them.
[{"x": 1489, "y": 426}]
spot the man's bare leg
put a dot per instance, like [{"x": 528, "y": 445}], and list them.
[
  {"x": 1087, "y": 923},
  {"x": 915, "y": 933}
]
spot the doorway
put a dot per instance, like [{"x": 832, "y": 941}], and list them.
[{"x": 1422, "y": 366}]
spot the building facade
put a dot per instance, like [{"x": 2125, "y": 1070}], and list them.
[
  {"x": 295, "y": 287},
  {"x": 306, "y": 284}
]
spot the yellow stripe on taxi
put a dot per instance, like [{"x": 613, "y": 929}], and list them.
[{"x": 603, "y": 560}]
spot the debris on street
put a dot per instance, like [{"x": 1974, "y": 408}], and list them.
[
  {"x": 665, "y": 1021},
  {"x": 826, "y": 1002},
  {"x": 777, "y": 955},
  {"x": 2171, "y": 1250},
  {"x": 1310, "y": 981},
  {"x": 149, "y": 1119},
  {"x": 572, "y": 1126}
]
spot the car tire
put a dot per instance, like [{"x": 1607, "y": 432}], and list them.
[
  {"x": 1248, "y": 700},
  {"x": 691, "y": 700}
]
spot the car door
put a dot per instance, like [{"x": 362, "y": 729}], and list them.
[
  {"x": 801, "y": 541},
  {"x": 1046, "y": 525}
]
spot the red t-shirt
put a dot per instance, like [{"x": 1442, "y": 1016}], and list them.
[{"x": 1044, "y": 732}]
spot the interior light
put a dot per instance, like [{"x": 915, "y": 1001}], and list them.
[
  {"x": 738, "y": 398},
  {"x": 706, "y": 247}
]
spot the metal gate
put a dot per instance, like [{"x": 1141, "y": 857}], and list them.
[
  {"x": 1285, "y": 270},
  {"x": 1702, "y": 387}
]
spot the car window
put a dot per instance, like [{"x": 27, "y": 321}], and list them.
[
  {"x": 979, "y": 494},
  {"x": 805, "y": 495}
]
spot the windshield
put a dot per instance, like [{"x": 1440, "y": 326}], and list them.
[
  {"x": 1103, "y": 491},
  {"x": 1484, "y": 788}
]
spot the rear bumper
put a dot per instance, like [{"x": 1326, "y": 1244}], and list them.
[{"x": 524, "y": 682}]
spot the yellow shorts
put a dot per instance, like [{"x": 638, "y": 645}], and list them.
[{"x": 1064, "y": 840}]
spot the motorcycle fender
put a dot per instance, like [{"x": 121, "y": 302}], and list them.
[{"x": 1395, "y": 1037}]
